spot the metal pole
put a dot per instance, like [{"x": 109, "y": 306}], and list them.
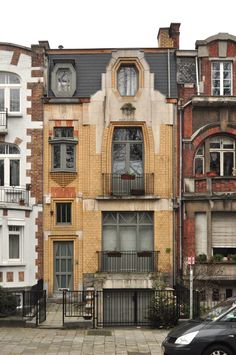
[{"x": 191, "y": 292}]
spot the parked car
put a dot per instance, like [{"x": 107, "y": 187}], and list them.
[{"x": 214, "y": 334}]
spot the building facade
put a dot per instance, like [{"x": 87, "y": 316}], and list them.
[
  {"x": 207, "y": 126},
  {"x": 21, "y": 149},
  {"x": 109, "y": 137}
]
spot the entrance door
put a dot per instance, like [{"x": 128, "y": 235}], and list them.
[{"x": 63, "y": 265}]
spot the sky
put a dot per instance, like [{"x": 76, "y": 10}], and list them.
[{"x": 110, "y": 23}]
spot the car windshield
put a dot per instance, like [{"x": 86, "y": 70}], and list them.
[{"x": 219, "y": 310}]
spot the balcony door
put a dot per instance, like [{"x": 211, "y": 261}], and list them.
[{"x": 127, "y": 158}]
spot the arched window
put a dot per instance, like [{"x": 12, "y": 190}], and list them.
[
  {"x": 216, "y": 154},
  {"x": 9, "y": 165},
  {"x": 10, "y": 92},
  {"x": 127, "y": 80}
]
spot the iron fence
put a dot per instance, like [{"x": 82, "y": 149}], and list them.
[
  {"x": 128, "y": 307},
  {"x": 127, "y": 261}
]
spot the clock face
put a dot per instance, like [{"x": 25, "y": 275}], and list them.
[{"x": 64, "y": 80}]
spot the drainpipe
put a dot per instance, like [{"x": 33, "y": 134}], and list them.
[
  {"x": 168, "y": 71},
  {"x": 197, "y": 76},
  {"x": 174, "y": 168}
]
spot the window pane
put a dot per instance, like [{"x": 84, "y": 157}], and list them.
[
  {"x": 14, "y": 100},
  {"x": 14, "y": 252},
  {"x": 109, "y": 238},
  {"x": 146, "y": 238},
  {"x": 136, "y": 159},
  {"x": 228, "y": 163},
  {"x": 13, "y": 79},
  {"x": 56, "y": 156},
  {"x": 127, "y": 80},
  {"x": 127, "y": 134},
  {"x": 64, "y": 78},
  {"x": 63, "y": 132},
  {"x": 128, "y": 238},
  {"x": 199, "y": 166},
  {"x": 1, "y": 172},
  {"x": 12, "y": 149},
  {"x": 2, "y": 100},
  {"x": 63, "y": 212},
  {"x": 215, "y": 162},
  {"x": 119, "y": 158},
  {"x": 14, "y": 173},
  {"x": 2, "y": 78},
  {"x": 70, "y": 156}
]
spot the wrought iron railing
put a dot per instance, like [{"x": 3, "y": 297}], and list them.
[
  {"x": 128, "y": 184},
  {"x": 15, "y": 195},
  {"x": 127, "y": 261}
]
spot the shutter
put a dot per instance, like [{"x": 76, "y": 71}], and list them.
[
  {"x": 224, "y": 230},
  {"x": 201, "y": 233}
]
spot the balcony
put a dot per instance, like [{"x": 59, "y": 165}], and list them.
[
  {"x": 221, "y": 270},
  {"x": 14, "y": 195},
  {"x": 128, "y": 185},
  {"x": 212, "y": 186},
  {"x": 3, "y": 122},
  {"x": 127, "y": 261}
]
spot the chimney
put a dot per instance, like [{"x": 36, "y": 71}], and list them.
[{"x": 168, "y": 37}]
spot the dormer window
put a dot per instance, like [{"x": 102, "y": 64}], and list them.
[
  {"x": 127, "y": 80},
  {"x": 63, "y": 81},
  {"x": 221, "y": 78}
]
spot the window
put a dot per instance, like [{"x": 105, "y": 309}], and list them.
[
  {"x": 221, "y": 78},
  {"x": 218, "y": 157},
  {"x": 63, "y": 149},
  {"x": 10, "y": 92},
  {"x": 63, "y": 81},
  {"x": 127, "y": 231},
  {"x": 63, "y": 213},
  {"x": 127, "y": 79},
  {"x": 128, "y": 150},
  {"x": 14, "y": 242},
  {"x": 9, "y": 165}
]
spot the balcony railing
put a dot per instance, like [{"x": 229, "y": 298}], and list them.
[
  {"x": 14, "y": 195},
  {"x": 209, "y": 185},
  {"x": 215, "y": 270},
  {"x": 127, "y": 261},
  {"x": 128, "y": 184},
  {"x": 3, "y": 120}
]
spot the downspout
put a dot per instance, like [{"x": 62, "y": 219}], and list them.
[
  {"x": 197, "y": 76},
  {"x": 168, "y": 71},
  {"x": 174, "y": 168}
]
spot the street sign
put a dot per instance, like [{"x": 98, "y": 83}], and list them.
[{"x": 191, "y": 260}]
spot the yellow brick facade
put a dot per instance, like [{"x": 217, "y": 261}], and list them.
[{"x": 84, "y": 187}]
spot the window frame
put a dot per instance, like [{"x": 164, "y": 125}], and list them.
[
  {"x": 60, "y": 204},
  {"x": 19, "y": 233},
  {"x": 221, "y": 78},
  {"x": 117, "y": 225},
  {"x": 63, "y": 142},
  {"x": 125, "y": 88},
  {"x": 57, "y": 67},
  {"x": 7, "y": 158},
  {"x": 7, "y": 88}
]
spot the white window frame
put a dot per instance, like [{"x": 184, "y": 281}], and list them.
[
  {"x": 221, "y": 78},
  {"x": 7, "y": 159},
  {"x": 18, "y": 232},
  {"x": 221, "y": 150},
  {"x": 7, "y": 87}
]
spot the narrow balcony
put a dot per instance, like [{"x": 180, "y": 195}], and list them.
[
  {"x": 221, "y": 270},
  {"x": 210, "y": 186},
  {"x": 128, "y": 185},
  {"x": 127, "y": 261},
  {"x": 14, "y": 195},
  {"x": 3, "y": 122}
]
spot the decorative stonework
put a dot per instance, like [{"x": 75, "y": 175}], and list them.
[
  {"x": 63, "y": 179},
  {"x": 128, "y": 111}
]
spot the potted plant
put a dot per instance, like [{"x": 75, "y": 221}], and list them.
[
  {"x": 127, "y": 176},
  {"x": 201, "y": 258},
  {"x": 21, "y": 202},
  {"x": 144, "y": 253},
  {"x": 114, "y": 253},
  {"x": 217, "y": 257}
]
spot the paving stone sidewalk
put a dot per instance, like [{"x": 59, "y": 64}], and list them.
[{"x": 78, "y": 341}]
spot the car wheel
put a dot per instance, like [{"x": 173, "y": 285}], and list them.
[{"x": 217, "y": 350}]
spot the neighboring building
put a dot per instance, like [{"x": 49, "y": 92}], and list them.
[
  {"x": 109, "y": 159},
  {"x": 21, "y": 149},
  {"x": 207, "y": 120}
]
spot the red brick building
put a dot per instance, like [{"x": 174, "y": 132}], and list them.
[{"x": 207, "y": 144}]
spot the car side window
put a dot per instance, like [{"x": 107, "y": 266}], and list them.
[{"x": 230, "y": 317}]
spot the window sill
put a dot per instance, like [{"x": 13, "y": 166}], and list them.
[
  {"x": 13, "y": 115},
  {"x": 12, "y": 264}
]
